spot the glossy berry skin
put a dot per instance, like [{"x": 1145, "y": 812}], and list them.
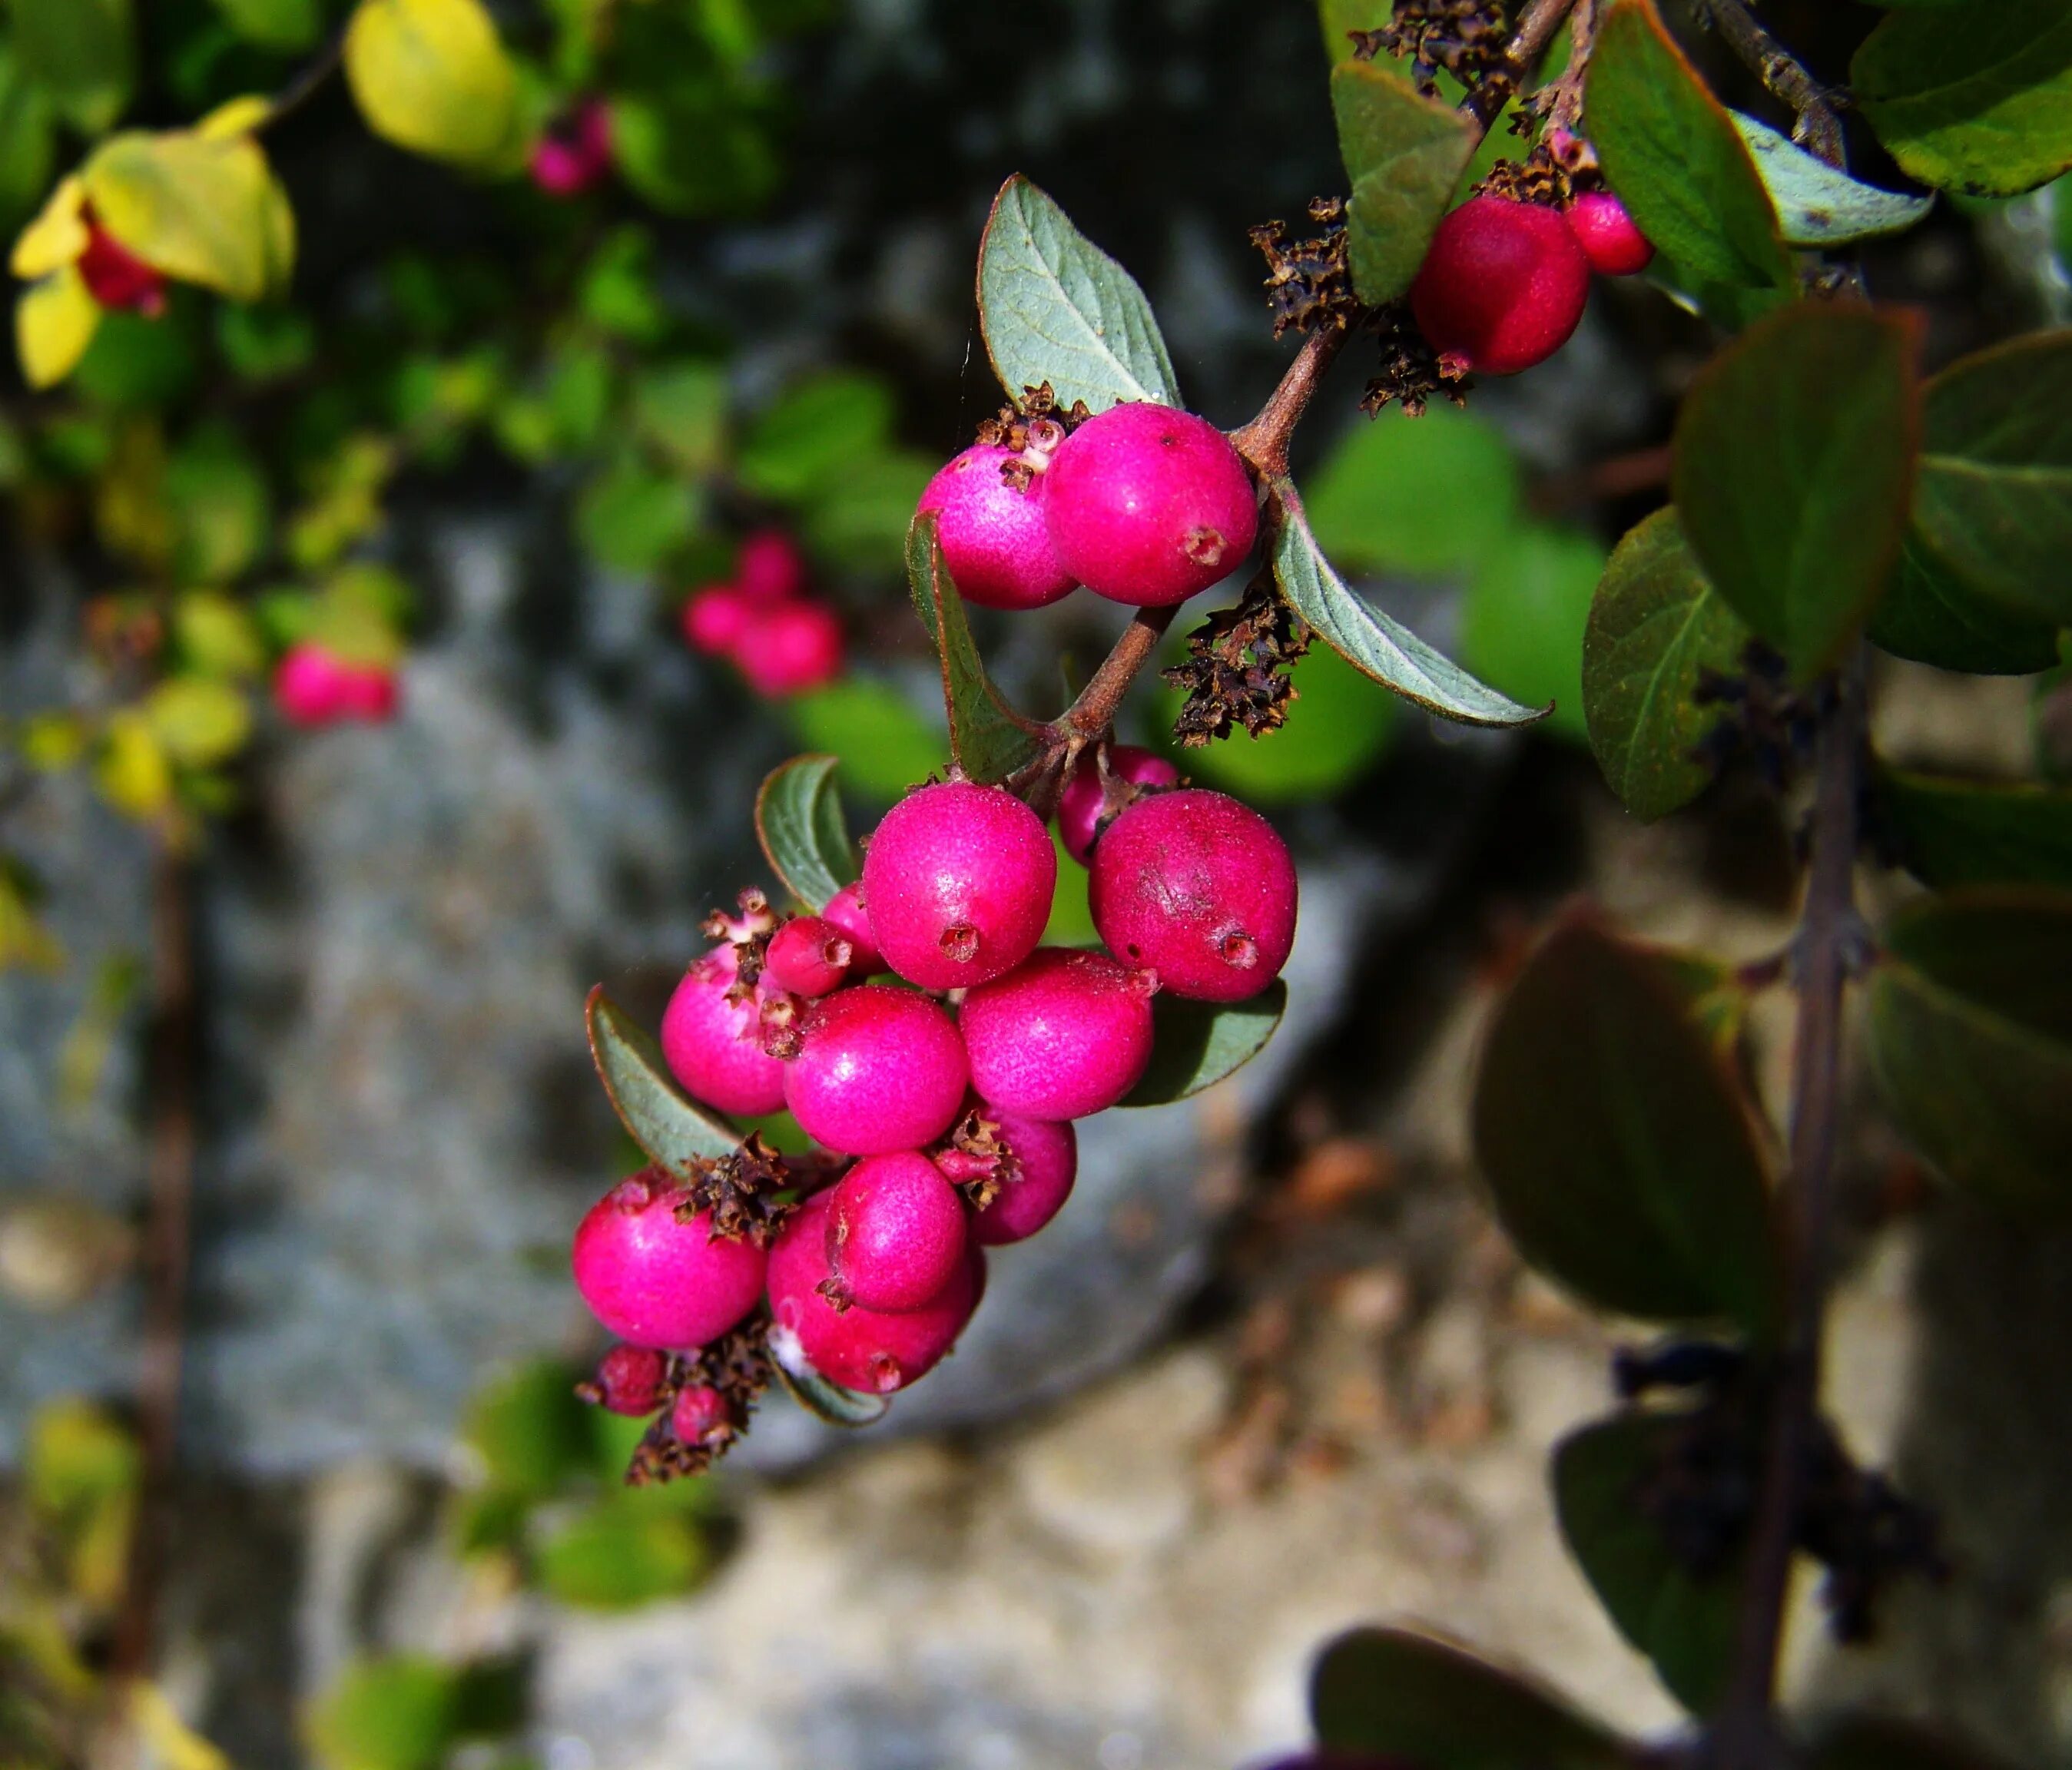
[
  {"x": 1503, "y": 285},
  {"x": 1199, "y": 889},
  {"x": 995, "y": 539},
  {"x": 958, "y": 880},
  {"x": 1148, "y": 505},
  {"x": 1046, "y": 1155},
  {"x": 701, "y": 1415},
  {"x": 878, "y": 1069},
  {"x": 770, "y": 567},
  {"x": 629, "y": 1378},
  {"x": 1063, "y": 1035},
  {"x": 846, "y": 911},
  {"x": 314, "y": 686},
  {"x": 714, "y": 619},
  {"x": 790, "y": 647},
  {"x": 896, "y": 1231},
  {"x": 866, "y": 1349},
  {"x": 1610, "y": 240},
  {"x": 1079, "y": 805},
  {"x": 574, "y": 155},
  {"x": 714, "y": 1047},
  {"x": 657, "y": 1282},
  {"x": 117, "y": 277},
  {"x": 809, "y": 956}
]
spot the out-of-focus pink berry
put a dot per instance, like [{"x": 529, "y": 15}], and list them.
[
  {"x": 1046, "y": 1163},
  {"x": 896, "y": 1230},
  {"x": 117, "y": 277},
  {"x": 714, "y": 619},
  {"x": 575, "y": 154},
  {"x": 714, "y": 1047},
  {"x": 788, "y": 647},
  {"x": 770, "y": 567},
  {"x": 809, "y": 956},
  {"x": 1503, "y": 285},
  {"x": 846, "y": 909},
  {"x": 314, "y": 686},
  {"x": 995, "y": 541},
  {"x": 878, "y": 1069},
  {"x": 1079, "y": 805},
  {"x": 629, "y": 1380},
  {"x": 658, "y": 1281},
  {"x": 1064, "y": 1034},
  {"x": 1609, "y": 237}
]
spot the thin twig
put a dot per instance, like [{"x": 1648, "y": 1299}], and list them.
[
  {"x": 1819, "y": 128},
  {"x": 306, "y": 85},
  {"x": 1566, "y": 111}
]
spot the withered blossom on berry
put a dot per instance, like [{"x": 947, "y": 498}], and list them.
[{"x": 1236, "y": 671}]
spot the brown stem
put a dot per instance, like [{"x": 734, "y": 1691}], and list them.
[
  {"x": 1094, "y": 710},
  {"x": 306, "y": 85},
  {"x": 1566, "y": 112},
  {"x": 1782, "y": 75}
]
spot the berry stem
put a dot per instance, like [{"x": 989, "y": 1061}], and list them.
[
  {"x": 306, "y": 85},
  {"x": 1784, "y": 76},
  {"x": 1093, "y": 713}
]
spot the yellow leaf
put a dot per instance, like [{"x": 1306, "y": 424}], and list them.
[
  {"x": 134, "y": 774},
  {"x": 218, "y": 636},
  {"x": 198, "y": 721},
  {"x": 432, "y": 76},
  {"x": 81, "y": 1470},
  {"x": 170, "y": 1740},
  {"x": 24, "y": 940},
  {"x": 58, "y": 235},
  {"x": 55, "y": 321},
  {"x": 235, "y": 118},
  {"x": 52, "y": 741},
  {"x": 196, "y": 208}
]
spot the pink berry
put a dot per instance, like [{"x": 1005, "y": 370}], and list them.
[
  {"x": 1149, "y": 505},
  {"x": 658, "y": 1282},
  {"x": 866, "y": 1349},
  {"x": 1503, "y": 285},
  {"x": 878, "y": 1069},
  {"x": 995, "y": 541},
  {"x": 845, "y": 910},
  {"x": 1613, "y": 245},
  {"x": 1064, "y": 1035},
  {"x": 117, "y": 277},
  {"x": 702, "y": 1415},
  {"x": 770, "y": 567},
  {"x": 306, "y": 685},
  {"x": 367, "y": 691},
  {"x": 714, "y": 619},
  {"x": 1081, "y": 805},
  {"x": 575, "y": 154},
  {"x": 1047, "y": 1162},
  {"x": 896, "y": 1230},
  {"x": 629, "y": 1380},
  {"x": 789, "y": 647},
  {"x": 1198, "y": 888},
  {"x": 809, "y": 956},
  {"x": 714, "y": 1047},
  {"x": 958, "y": 879}
]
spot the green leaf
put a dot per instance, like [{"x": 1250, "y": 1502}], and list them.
[
  {"x": 989, "y": 740},
  {"x": 432, "y": 76},
  {"x": 1429, "y": 496},
  {"x": 27, "y": 147},
  {"x": 1622, "y": 1159},
  {"x": 655, "y": 1113},
  {"x": 1368, "y": 639},
  {"x": 1195, "y": 1044},
  {"x": 829, "y": 1400},
  {"x": 619, "y": 1553},
  {"x": 1954, "y": 833},
  {"x": 858, "y": 518},
  {"x": 400, "y": 1713},
  {"x": 285, "y": 24},
  {"x": 1793, "y": 468},
  {"x": 1524, "y": 617},
  {"x": 1817, "y": 206},
  {"x": 220, "y": 505},
  {"x": 1995, "y": 500},
  {"x": 1671, "y": 151},
  {"x": 1054, "y": 307},
  {"x": 694, "y": 149},
  {"x": 805, "y": 836},
  {"x": 631, "y": 518},
  {"x": 198, "y": 207},
  {"x": 82, "y": 53},
  {"x": 1404, "y": 154},
  {"x": 680, "y": 409},
  {"x": 884, "y": 745},
  {"x": 1976, "y": 98},
  {"x": 199, "y": 721},
  {"x": 1683, "y": 1624},
  {"x": 1930, "y": 616},
  {"x": 821, "y": 428},
  {"x": 530, "y": 1429},
  {"x": 217, "y": 636},
  {"x": 1969, "y": 1037},
  {"x": 1655, "y": 631},
  {"x": 1415, "y": 1700}
]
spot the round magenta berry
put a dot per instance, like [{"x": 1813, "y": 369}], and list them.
[
  {"x": 575, "y": 152},
  {"x": 1080, "y": 805},
  {"x": 770, "y": 567},
  {"x": 702, "y": 1415},
  {"x": 657, "y": 1281},
  {"x": 1199, "y": 889},
  {"x": 1503, "y": 285},
  {"x": 789, "y": 647},
  {"x": 314, "y": 686},
  {"x": 714, "y": 1047},
  {"x": 809, "y": 956},
  {"x": 714, "y": 619},
  {"x": 1066, "y": 1034},
  {"x": 995, "y": 541},
  {"x": 867, "y": 1349},
  {"x": 896, "y": 1230},
  {"x": 1047, "y": 1162},
  {"x": 845, "y": 910},
  {"x": 629, "y": 1380},
  {"x": 1609, "y": 238},
  {"x": 878, "y": 1069},
  {"x": 958, "y": 881},
  {"x": 1149, "y": 505}
]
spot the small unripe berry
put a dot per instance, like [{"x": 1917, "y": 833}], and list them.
[
  {"x": 702, "y": 1415},
  {"x": 575, "y": 154},
  {"x": 1047, "y": 1162},
  {"x": 809, "y": 956},
  {"x": 714, "y": 1047},
  {"x": 658, "y": 1282},
  {"x": 866, "y": 1349},
  {"x": 1063, "y": 1035},
  {"x": 117, "y": 277},
  {"x": 995, "y": 541},
  {"x": 1080, "y": 805},
  {"x": 789, "y": 647},
  {"x": 714, "y": 619},
  {"x": 896, "y": 1231},
  {"x": 958, "y": 880},
  {"x": 770, "y": 567},
  {"x": 629, "y": 1380},
  {"x": 846, "y": 909},
  {"x": 1609, "y": 238},
  {"x": 1149, "y": 505},
  {"x": 1200, "y": 889},
  {"x": 878, "y": 1069},
  {"x": 1503, "y": 285}
]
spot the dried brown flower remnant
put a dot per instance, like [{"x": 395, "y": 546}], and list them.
[
  {"x": 743, "y": 1191},
  {"x": 1235, "y": 670},
  {"x": 1469, "y": 39},
  {"x": 1412, "y": 372},
  {"x": 737, "y": 1365},
  {"x": 1308, "y": 282},
  {"x": 976, "y": 1159}
]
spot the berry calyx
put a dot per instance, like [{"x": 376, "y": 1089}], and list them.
[
  {"x": 714, "y": 619},
  {"x": 896, "y": 1231},
  {"x": 770, "y": 567},
  {"x": 1609, "y": 237},
  {"x": 628, "y": 1380},
  {"x": 1199, "y": 889},
  {"x": 657, "y": 1278},
  {"x": 1148, "y": 505},
  {"x": 879, "y": 1068},
  {"x": 958, "y": 880},
  {"x": 809, "y": 956},
  {"x": 845, "y": 910},
  {"x": 1063, "y": 1035},
  {"x": 1083, "y": 807},
  {"x": 1502, "y": 287},
  {"x": 117, "y": 277},
  {"x": 1045, "y": 1162},
  {"x": 790, "y": 647},
  {"x": 995, "y": 537},
  {"x": 714, "y": 1046},
  {"x": 314, "y": 686},
  {"x": 701, "y": 1415}
]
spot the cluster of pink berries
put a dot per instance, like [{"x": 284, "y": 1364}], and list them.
[
  {"x": 781, "y": 640},
  {"x": 313, "y": 686}
]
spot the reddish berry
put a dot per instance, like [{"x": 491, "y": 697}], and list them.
[
  {"x": 809, "y": 956},
  {"x": 770, "y": 567},
  {"x": 117, "y": 277},
  {"x": 1613, "y": 245},
  {"x": 1149, "y": 505},
  {"x": 995, "y": 541},
  {"x": 714, "y": 619},
  {"x": 656, "y": 1281},
  {"x": 367, "y": 691},
  {"x": 959, "y": 880},
  {"x": 714, "y": 1047},
  {"x": 790, "y": 647},
  {"x": 846, "y": 911},
  {"x": 1502, "y": 286},
  {"x": 1047, "y": 1161},
  {"x": 314, "y": 686},
  {"x": 878, "y": 1069},
  {"x": 1198, "y": 888},
  {"x": 1064, "y": 1035},
  {"x": 896, "y": 1231},
  {"x": 629, "y": 1380},
  {"x": 575, "y": 154},
  {"x": 866, "y": 1349},
  {"x": 1081, "y": 805},
  {"x": 702, "y": 1415}
]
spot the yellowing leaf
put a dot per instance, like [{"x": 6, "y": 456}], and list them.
[
  {"x": 200, "y": 209},
  {"x": 58, "y": 235},
  {"x": 134, "y": 774},
  {"x": 171, "y": 1742},
  {"x": 235, "y": 118},
  {"x": 431, "y": 75},
  {"x": 81, "y": 1471},
  {"x": 24, "y": 940},
  {"x": 218, "y": 636},
  {"x": 198, "y": 721},
  {"x": 55, "y": 321}
]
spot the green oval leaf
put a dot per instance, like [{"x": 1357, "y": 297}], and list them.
[
  {"x": 621, "y": 1553},
  {"x": 829, "y": 1400},
  {"x": 805, "y": 836},
  {"x": 1816, "y": 205},
  {"x": 1195, "y": 1044},
  {"x": 81, "y": 53},
  {"x": 1054, "y": 307},
  {"x": 1955, "y": 833},
  {"x": 989, "y": 740},
  {"x": 274, "y": 24},
  {"x": 1428, "y": 497},
  {"x": 656, "y": 1113},
  {"x": 1404, "y": 154},
  {"x": 1930, "y": 616},
  {"x": 1523, "y": 619}
]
